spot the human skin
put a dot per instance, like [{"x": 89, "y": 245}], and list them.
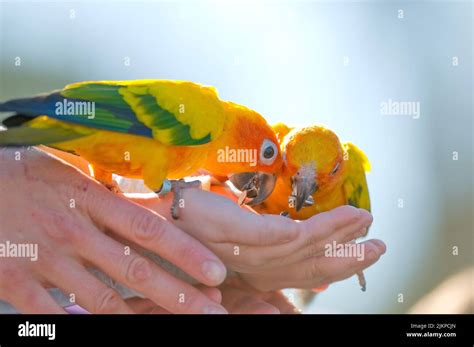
[
  {"x": 222, "y": 225},
  {"x": 236, "y": 296},
  {"x": 36, "y": 208},
  {"x": 302, "y": 260},
  {"x": 256, "y": 289},
  {"x": 268, "y": 244},
  {"x": 297, "y": 263},
  {"x": 47, "y": 202}
]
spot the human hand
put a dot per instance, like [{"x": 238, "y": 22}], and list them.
[
  {"x": 238, "y": 297},
  {"x": 318, "y": 271},
  {"x": 70, "y": 217},
  {"x": 235, "y": 295},
  {"x": 255, "y": 244}
]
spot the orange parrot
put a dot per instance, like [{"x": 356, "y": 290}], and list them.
[
  {"x": 155, "y": 130},
  {"x": 319, "y": 174}
]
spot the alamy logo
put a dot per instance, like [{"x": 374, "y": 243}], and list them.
[
  {"x": 75, "y": 108},
  {"x": 19, "y": 250},
  {"x": 344, "y": 250},
  {"x": 37, "y": 330},
  {"x": 233, "y": 155},
  {"x": 400, "y": 108}
]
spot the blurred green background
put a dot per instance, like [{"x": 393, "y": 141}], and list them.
[{"x": 301, "y": 62}]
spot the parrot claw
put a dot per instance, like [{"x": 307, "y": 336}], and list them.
[
  {"x": 112, "y": 186},
  {"x": 362, "y": 281},
  {"x": 176, "y": 187},
  {"x": 285, "y": 214}
]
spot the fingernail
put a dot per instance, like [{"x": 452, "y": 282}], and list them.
[
  {"x": 214, "y": 310},
  {"x": 214, "y": 271},
  {"x": 380, "y": 246}
]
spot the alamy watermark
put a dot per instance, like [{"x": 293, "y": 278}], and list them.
[
  {"x": 28, "y": 329},
  {"x": 344, "y": 250},
  {"x": 75, "y": 108},
  {"x": 237, "y": 155},
  {"x": 19, "y": 250},
  {"x": 400, "y": 108}
]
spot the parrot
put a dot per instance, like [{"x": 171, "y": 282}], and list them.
[
  {"x": 156, "y": 130},
  {"x": 319, "y": 173}
]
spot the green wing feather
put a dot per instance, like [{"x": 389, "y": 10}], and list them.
[
  {"x": 26, "y": 136},
  {"x": 172, "y": 112}
]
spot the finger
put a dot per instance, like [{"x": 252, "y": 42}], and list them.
[
  {"x": 324, "y": 270},
  {"x": 211, "y": 211},
  {"x": 88, "y": 291},
  {"x": 226, "y": 192},
  {"x": 240, "y": 302},
  {"x": 317, "y": 271},
  {"x": 357, "y": 229},
  {"x": 138, "y": 273},
  {"x": 159, "y": 310},
  {"x": 321, "y": 288},
  {"x": 280, "y": 301},
  {"x": 139, "y": 305},
  {"x": 145, "y": 306},
  {"x": 339, "y": 225},
  {"x": 72, "y": 159},
  {"x": 153, "y": 232},
  {"x": 75, "y": 309},
  {"x": 30, "y": 297},
  {"x": 212, "y": 293},
  {"x": 339, "y": 218},
  {"x": 266, "y": 230},
  {"x": 325, "y": 234}
]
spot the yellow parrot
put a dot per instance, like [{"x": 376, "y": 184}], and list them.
[
  {"x": 150, "y": 129},
  {"x": 319, "y": 173}
]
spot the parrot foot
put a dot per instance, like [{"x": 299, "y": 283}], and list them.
[
  {"x": 176, "y": 187},
  {"x": 362, "y": 282},
  {"x": 285, "y": 214},
  {"x": 112, "y": 186},
  {"x": 105, "y": 178}
]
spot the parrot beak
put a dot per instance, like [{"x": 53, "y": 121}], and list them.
[
  {"x": 255, "y": 185},
  {"x": 304, "y": 186}
]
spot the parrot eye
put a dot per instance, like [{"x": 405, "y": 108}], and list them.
[
  {"x": 268, "y": 152},
  {"x": 336, "y": 168}
]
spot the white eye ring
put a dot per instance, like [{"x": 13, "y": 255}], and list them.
[{"x": 268, "y": 152}]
